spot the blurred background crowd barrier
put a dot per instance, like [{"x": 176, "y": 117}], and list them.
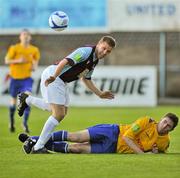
[{"x": 147, "y": 33}]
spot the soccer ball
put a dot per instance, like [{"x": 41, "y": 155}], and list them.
[{"x": 58, "y": 20}]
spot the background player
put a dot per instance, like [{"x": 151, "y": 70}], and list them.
[{"x": 22, "y": 59}]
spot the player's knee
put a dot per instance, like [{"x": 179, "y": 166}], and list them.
[
  {"x": 59, "y": 116},
  {"x": 74, "y": 137}
]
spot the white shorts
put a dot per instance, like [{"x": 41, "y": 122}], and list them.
[{"x": 56, "y": 92}]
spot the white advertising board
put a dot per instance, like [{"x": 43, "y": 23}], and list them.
[
  {"x": 132, "y": 86},
  {"x": 144, "y": 15}
]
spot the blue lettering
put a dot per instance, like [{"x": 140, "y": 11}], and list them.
[
  {"x": 151, "y": 9},
  {"x": 171, "y": 9},
  {"x": 161, "y": 10},
  {"x": 17, "y": 12}
]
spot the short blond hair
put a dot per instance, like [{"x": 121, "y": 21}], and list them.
[{"x": 109, "y": 40}]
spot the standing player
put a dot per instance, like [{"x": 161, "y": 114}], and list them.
[
  {"x": 54, "y": 89},
  {"x": 23, "y": 59}
]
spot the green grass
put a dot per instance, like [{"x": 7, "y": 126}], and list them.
[{"x": 15, "y": 164}]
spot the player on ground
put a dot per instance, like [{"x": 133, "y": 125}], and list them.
[
  {"x": 54, "y": 88},
  {"x": 23, "y": 59},
  {"x": 144, "y": 135}
]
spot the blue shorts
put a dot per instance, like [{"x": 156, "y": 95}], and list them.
[
  {"x": 20, "y": 85},
  {"x": 103, "y": 138}
]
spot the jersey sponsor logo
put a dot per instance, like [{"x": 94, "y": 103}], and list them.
[
  {"x": 135, "y": 128},
  {"x": 77, "y": 57}
]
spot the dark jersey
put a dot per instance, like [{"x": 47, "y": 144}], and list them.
[{"x": 81, "y": 63}]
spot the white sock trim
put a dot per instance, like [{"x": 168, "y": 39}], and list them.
[
  {"x": 62, "y": 135},
  {"x": 28, "y": 100},
  {"x": 66, "y": 148}
]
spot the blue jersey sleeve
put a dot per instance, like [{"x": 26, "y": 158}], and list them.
[{"x": 79, "y": 55}]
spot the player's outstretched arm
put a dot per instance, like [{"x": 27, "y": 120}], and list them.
[{"x": 102, "y": 94}]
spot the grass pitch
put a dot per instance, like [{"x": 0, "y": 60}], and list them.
[{"x": 15, "y": 164}]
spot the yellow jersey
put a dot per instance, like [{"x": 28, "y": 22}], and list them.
[
  {"x": 30, "y": 54},
  {"x": 144, "y": 133}
]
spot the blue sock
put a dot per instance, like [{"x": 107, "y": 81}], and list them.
[
  {"x": 59, "y": 135},
  {"x": 12, "y": 110},
  {"x": 60, "y": 147},
  {"x": 26, "y": 116}
]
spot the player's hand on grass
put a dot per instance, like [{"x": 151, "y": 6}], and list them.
[
  {"x": 155, "y": 149},
  {"x": 49, "y": 80},
  {"x": 106, "y": 95}
]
